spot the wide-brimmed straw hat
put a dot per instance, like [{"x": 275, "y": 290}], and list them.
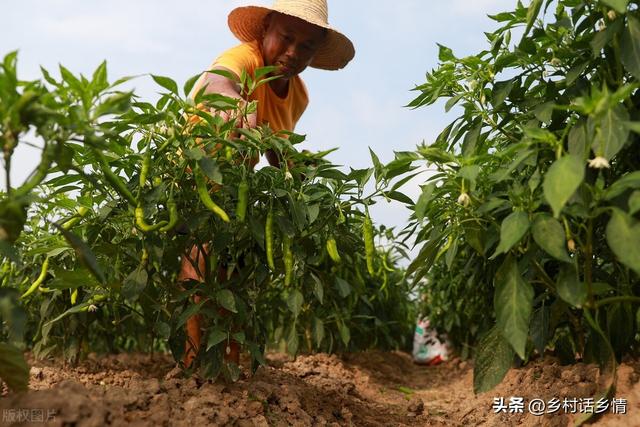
[{"x": 247, "y": 24}]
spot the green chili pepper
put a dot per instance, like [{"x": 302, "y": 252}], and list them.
[
  {"x": 287, "y": 255},
  {"x": 35, "y": 285},
  {"x": 332, "y": 249},
  {"x": 205, "y": 198},
  {"x": 369, "y": 248},
  {"x": 268, "y": 239},
  {"x": 80, "y": 213},
  {"x": 173, "y": 215},
  {"x": 142, "y": 224},
  {"x": 146, "y": 165},
  {"x": 115, "y": 180},
  {"x": 243, "y": 194}
]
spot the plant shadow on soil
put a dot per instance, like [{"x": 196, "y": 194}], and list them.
[{"x": 360, "y": 389}]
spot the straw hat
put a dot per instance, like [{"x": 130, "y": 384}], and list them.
[{"x": 247, "y": 24}]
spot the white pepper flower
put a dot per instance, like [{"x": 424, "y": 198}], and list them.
[
  {"x": 556, "y": 62},
  {"x": 612, "y": 15},
  {"x": 464, "y": 199},
  {"x": 92, "y": 308},
  {"x": 599, "y": 163},
  {"x": 288, "y": 176}
]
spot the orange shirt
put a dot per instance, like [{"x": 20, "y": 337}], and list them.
[{"x": 279, "y": 113}]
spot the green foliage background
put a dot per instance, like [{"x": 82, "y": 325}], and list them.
[
  {"x": 529, "y": 225},
  {"x": 92, "y": 241}
]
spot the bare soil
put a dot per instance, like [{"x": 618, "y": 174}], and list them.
[{"x": 364, "y": 389}]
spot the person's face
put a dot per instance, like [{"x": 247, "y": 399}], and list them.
[{"x": 290, "y": 43}]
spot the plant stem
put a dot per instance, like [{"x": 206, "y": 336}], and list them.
[
  {"x": 38, "y": 174},
  {"x": 613, "y": 300},
  {"x": 588, "y": 255},
  {"x": 546, "y": 280}
]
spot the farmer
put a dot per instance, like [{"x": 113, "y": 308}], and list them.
[{"x": 291, "y": 35}]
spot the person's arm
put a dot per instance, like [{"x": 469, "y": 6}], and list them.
[{"x": 215, "y": 83}]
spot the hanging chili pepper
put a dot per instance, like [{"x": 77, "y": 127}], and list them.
[
  {"x": 332, "y": 249},
  {"x": 173, "y": 214},
  {"x": 287, "y": 255},
  {"x": 142, "y": 224},
  {"x": 268, "y": 240},
  {"x": 369, "y": 248},
  {"x": 205, "y": 198},
  {"x": 35, "y": 285}
]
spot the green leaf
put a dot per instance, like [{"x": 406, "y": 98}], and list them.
[
  {"x": 630, "y": 47},
  {"x": 603, "y": 38},
  {"x": 344, "y": 288},
  {"x": 135, "y": 283},
  {"x": 318, "y": 331},
  {"x": 513, "y": 302},
  {"x": 226, "y": 299},
  {"x": 292, "y": 340},
  {"x": 72, "y": 279},
  {"x": 240, "y": 337},
  {"x": 295, "y": 301},
  {"x": 445, "y": 54},
  {"x": 76, "y": 85},
  {"x": 626, "y": 182},
  {"x": 544, "y": 111},
  {"x": 613, "y": 132},
  {"x": 189, "y": 84},
  {"x": 494, "y": 357},
  {"x": 532, "y": 14},
  {"x": 634, "y": 203},
  {"x": 424, "y": 200},
  {"x": 216, "y": 336},
  {"x": 400, "y": 197},
  {"x": 452, "y": 102},
  {"x": 470, "y": 173},
  {"x": 318, "y": 288},
  {"x": 7, "y": 250},
  {"x": 470, "y": 141},
  {"x": 75, "y": 309},
  {"x": 501, "y": 91},
  {"x": 115, "y": 104},
  {"x": 623, "y": 235},
  {"x": 549, "y": 235},
  {"x": 99, "y": 78},
  {"x": 578, "y": 138},
  {"x": 562, "y": 180},
  {"x": 474, "y": 235},
  {"x": 575, "y": 72},
  {"x": 619, "y": 6},
  {"x": 13, "y": 368},
  {"x": 570, "y": 288},
  {"x": 84, "y": 253},
  {"x": 211, "y": 169},
  {"x": 166, "y": 83},
  {"x": 511, "y": 231},
  {"x": 345, "y": 333}
]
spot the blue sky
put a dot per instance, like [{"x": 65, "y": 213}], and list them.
[{"x": 353, "y": 109}]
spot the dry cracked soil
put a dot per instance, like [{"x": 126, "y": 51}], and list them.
[{"x": 363, "y": 389}]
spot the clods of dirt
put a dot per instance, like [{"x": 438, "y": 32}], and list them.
[{"x": 363, "y": 389}]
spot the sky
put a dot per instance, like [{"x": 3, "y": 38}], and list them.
[{"x": 353, "y": 109}]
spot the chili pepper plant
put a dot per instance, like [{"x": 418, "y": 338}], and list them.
[
  {"x": 528, "y": 222},
  {"x": 93, "y": 240}
]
